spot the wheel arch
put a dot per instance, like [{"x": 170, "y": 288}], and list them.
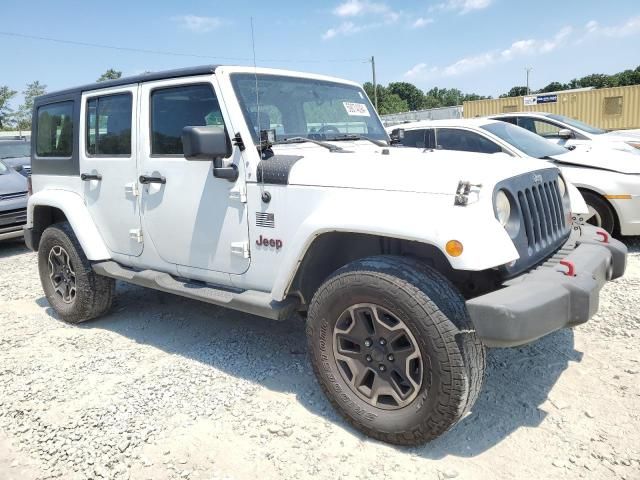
[
  {"x": 332, "y": 250},
  {"x": 46, "y": 208},
  {"x": 603, "y": 197}
]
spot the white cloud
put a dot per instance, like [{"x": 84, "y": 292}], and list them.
[
  {"x": 517, "y": 49},
  {"x": 463, "y": 6},
  {"x": 354, "y": 8},
  {"x": 421, "y": 22},
  {"x": 376, "y": 14},
  {"x": 630, "y": 27},
  {"x": 345, "y": 28},
  {"x": 198, "y": 24}
]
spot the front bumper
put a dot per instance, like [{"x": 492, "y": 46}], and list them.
[{"x": 546, "y": 299}]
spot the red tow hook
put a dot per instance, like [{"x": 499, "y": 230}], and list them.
[
  {"x": 604, "y": 235},
  {"x": 571, "y": 268}
]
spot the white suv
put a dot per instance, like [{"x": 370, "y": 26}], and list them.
[{"x": 272, "y": 192}]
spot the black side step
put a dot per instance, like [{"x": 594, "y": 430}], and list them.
[{"x": 248, "y": 301}]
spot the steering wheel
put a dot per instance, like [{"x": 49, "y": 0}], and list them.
[{"x": 328, "y": 129}]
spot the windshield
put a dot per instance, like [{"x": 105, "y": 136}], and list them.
[
  {"x": 14, "y": 149},
  {"x": 572, "y": 122},
  {"x": 303, "y": 107},
  {"x": 524, "y": 140}
]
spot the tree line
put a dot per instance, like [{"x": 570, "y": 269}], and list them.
[
  {"x": 396, "y": 97},
  {"x": 20, "y": 118},
  {"x": 400, "y": 97}
]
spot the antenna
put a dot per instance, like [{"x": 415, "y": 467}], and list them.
[{"x": 255, "y": 74}]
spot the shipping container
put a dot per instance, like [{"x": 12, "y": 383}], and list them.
[{"x": 615, "y": 108}]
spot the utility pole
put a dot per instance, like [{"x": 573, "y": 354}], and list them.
[
  {"x": 528, "y": 70},
  {"x": 375, "y": 86}
]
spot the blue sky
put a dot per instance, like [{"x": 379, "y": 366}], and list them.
[{"x": 480, "y": 46}]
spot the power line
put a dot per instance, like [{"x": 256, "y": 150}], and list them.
[{"x": 175, "y": 54}]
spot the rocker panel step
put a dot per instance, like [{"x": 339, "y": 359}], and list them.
[{"x": 248, "y": 301}]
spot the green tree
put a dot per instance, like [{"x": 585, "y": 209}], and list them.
[
  {"x": 409, "y": 93},
  {"x": 6, "y": 112},
  {"x": 110, "y": 74},
  {"x": 597, "y": 80},
  {"x": 23, "y": 115},
  {"x": 554, "y": 87},
  {"x": 515, "y": 92}
]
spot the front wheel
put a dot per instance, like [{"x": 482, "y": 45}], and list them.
[
  {"x": 71, "y": 286},
  {"x": 601, "y": 212},
  {"x": 394, "y": 349}
]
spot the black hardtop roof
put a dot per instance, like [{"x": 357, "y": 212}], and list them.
[{"x": 176, "y": 73}]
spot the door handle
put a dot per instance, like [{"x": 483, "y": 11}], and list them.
[
  {"x": 90, "y": 176},
  {"x": 145, "y": 179}
]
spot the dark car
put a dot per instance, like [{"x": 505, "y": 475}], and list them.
[
  {"x": 13, "y": 202},
  {"x": 16, "y": 152}
]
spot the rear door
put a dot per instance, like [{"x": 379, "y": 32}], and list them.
[{"x": 108, "y": 157}]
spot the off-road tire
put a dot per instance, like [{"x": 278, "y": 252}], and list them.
[
  {"x": 435, "y": 313},
  {"x": 604, "y": 211},
  {"x": 93, "y": 293}
]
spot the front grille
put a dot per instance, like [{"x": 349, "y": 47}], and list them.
[
  {"x": 13, "y": 218},
  {"x": 11, "y": 196},
  {"x": 543, "y": 215}
]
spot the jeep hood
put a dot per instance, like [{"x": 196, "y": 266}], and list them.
[
  {"x": 594, "y": 156},
  {"x": 366, "y": 166}
]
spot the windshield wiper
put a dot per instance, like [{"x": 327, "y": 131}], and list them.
[
  {"x": 379, "y": 143},
  {"x": 328, "y": 146}
]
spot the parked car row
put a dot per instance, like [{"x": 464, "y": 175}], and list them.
[
  {"x": 15, "y": 167},
  {"x": 604, "y": 167}
]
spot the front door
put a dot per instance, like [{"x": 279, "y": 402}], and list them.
[
  {"x": 108, "y": 155},
  {"x": 194, "y": 220}
]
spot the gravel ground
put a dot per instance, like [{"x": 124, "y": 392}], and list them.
[{"x": 165, "y": 387}]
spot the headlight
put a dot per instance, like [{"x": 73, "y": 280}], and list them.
[
  {"x": 503, "y": 208},
  {"x": 562, "y": 186},
  {"x": 634, "y": 144}
]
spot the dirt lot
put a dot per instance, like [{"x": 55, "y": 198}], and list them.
[{"x": 166, "y": 387}]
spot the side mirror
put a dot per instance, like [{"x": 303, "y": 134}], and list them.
[
  {"x": 397, "y": 136},
  {"x": 18, "y": 168},
  {"x": 565, "y": 134},
  {"x": 209, "y": 143}
]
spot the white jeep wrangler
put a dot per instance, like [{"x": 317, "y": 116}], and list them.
[{"x": 272, "y": 192}]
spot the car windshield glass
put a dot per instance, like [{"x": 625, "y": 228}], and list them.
[
  {"x": 524, "y": 140},
  {"x": 14, "y": 149},
  {"x": 572, "y": 122},
  {"x": 303, "y": 107}
]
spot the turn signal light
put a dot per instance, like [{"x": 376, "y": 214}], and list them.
[{"x": 454, "y": 248}]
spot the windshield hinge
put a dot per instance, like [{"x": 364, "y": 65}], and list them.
[
  {"x": 463, "y": 191},
  {"x": 239, "y": 193},
  {"x": 241, "y": 249},
  {"x": 136, "y": 234},
  {"x": 238, "y": 142}
]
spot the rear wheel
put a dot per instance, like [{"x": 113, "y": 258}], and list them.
[
  {"x": 394, "y": 349},
  {"x": 71, "y": 286},
  {"x": 601, "y": 212}
]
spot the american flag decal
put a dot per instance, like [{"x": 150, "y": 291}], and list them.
[{"x": 266, "y": 220}]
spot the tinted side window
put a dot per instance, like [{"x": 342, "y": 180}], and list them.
[
  {"x": 464, "y": 140},
  {"x": 418, "y": 138},
  {"x": 174, "y": 108},
  {"x": 109, "y": 125},
  {"x": 55, "y": 130},
  {"x": 511, "y": 120}
]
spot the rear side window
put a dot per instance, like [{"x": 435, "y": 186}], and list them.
[
  {"x": 109, "y": 125},
  {"x": 55, "y": 130},
  {"x": 464, "y": 140},
  {"x": 174, "y": 108},
  {"x": 422, "y": 138}
]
